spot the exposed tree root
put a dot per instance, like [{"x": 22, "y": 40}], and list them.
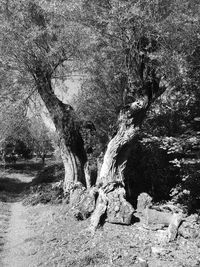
[{"x": 112, "y": 204}]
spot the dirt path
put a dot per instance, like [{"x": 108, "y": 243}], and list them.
[{"x": 16, "y": 249}]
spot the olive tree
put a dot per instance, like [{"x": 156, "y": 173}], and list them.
[
  {"x": 40, "y": 40},
  {"x": 145, "y": 46}
]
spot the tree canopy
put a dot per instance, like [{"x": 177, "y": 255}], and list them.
[{"x": 141, "y": 62}]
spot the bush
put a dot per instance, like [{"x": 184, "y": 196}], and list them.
[
  {"x": 149, "y": 170},
  {"x": 166, "y": 168}
]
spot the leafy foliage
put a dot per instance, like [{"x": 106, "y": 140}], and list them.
[
  {"x": 42, "y": 140},
  {"x": 127, "y": 49}
]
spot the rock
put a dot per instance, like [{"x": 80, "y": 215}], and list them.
[
  {"x": 76, "y": 194},
  {"x": 161, "y": 236},
  {"x": 143, "y": 201},
  {"x": 141, "y": 263},
  {"x": 172, "y": 230},
  {"x": 190, "y": 227},
  {"x": 155, "y": 217},
  {"x": 158, "y": 250},
  {"x": 86, "y": 205},
  {"x": 118, "y": 209},
  {"x": 116, "y": 254}
]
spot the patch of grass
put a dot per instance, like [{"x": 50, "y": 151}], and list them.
[
  {"x": 42, "y": 189},
  {"x": 44, "y": 194}
]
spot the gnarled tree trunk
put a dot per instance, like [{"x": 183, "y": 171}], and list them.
[
  {"x": 70, "y": 141},
  {"x": 112, "y": 194}
]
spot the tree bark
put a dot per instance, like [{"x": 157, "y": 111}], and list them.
[
  {"x": 70, "y": 141},
  {"x": 112, "y": 196},
  {"x": 87, "y": 175},
  {"x": 118, "y": 149}
]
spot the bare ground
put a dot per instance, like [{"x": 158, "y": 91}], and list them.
[
  {"x": 48, "y": 235},
  {"x": 15, "y": 248}
]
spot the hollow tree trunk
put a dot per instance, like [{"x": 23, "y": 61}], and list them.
[{"x": 70, "y": 141}]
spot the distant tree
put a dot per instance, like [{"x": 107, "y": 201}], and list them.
[
  {"x": 22, "y": 149},
  {"x": 41, "y": 138},
  {"x": 12, "y": 117},
  {"x": 23, "y": 136}
]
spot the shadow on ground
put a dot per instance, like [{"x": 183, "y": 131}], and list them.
[
  {"x": 11, "y": 185},
  {"x": 11, "y": 189},
  {"x": 42, "y": 189},
  {"x": 30, "y": 180},
  {"x": 28, "y": 167},
  {"x": 16, "y": 178},
  {"x": 51, "y": 173}
]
